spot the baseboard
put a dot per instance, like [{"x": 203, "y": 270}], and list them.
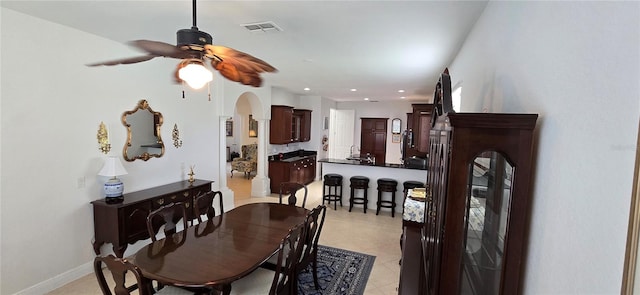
[{"x": 59, "y": 280}]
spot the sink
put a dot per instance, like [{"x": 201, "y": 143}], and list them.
[
  {"x": 355, "y": 158},
  {"x": 360, "y": 158}
]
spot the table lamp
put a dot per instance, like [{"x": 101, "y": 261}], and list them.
[{"x": 113, "y": 188}]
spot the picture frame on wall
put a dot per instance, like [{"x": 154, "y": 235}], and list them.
[
  {"x": 229, "y": 127},
  {"x": 253, "y": 127}
]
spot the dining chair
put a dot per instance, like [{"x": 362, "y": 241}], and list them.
[
  {"x": 279, "y": 281},
  {"x": 169, "y": 216},
  {"x": 119, "y": 268},
  {"x": 314, "y": 223},
  {"x": 203, "y": 205},
  {"x": 292, "y": 189}
]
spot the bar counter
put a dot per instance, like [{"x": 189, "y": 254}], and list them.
[{"x": 349, "y": 168}]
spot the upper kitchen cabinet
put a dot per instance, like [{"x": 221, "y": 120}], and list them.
[
  {"x": 280, "y": 125},
  {"x": 289, "y": 125},
  {"x": 422, "y": 125},
  {"x": 302, "y": 125}
]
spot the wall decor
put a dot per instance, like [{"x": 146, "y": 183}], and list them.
[
  {"x": 396, "y": 126},
  {"x": 143, "y": 133},
  {"x": 103, "y": 139},
  {"x": 395, "y": 138},
  {"x": 253, "y": 127},
  {"x": 229, "y": 125},
  {"x": 176, "y": 136}
]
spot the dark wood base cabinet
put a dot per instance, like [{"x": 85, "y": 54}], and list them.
[
  {"x": 477, "y": 203},
  {"x": 125, "y": 223},
  {"x": 297, "y": 169}
]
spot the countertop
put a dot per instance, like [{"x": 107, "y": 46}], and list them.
[{"x": 360, "y": 163}]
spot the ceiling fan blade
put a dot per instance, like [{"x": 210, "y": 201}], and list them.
[
  {"x": 123, "y": 61},
  {"x": 231, "y": 72},
  {"x": 243, "y": 61},
  {"x": 160, "y": 48}
]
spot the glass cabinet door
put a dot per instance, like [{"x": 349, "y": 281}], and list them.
[{"x": 487, "y": 211}]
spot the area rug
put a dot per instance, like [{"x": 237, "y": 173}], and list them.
[{"x": 340, "y": 272}]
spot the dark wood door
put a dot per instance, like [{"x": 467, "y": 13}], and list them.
[{"x": 373, "y": 138}]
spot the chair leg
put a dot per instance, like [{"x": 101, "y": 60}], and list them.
[
  {"x": 231, "y": 173},
  {"x": 315, "y": 270}
]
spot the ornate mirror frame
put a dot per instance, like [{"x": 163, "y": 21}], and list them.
[
  {"x": 630, "y": 281},
  {"x": 143, "y": 105}
]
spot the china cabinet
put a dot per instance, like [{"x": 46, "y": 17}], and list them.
[{"x": 479, "y": 181}]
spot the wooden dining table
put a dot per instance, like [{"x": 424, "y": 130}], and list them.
[{"x": 217, "y": 252}]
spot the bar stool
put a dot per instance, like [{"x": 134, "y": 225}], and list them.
[
  {"x": 359, "y": 182},
  {"x": 387, "y": 185},
  {"x": 332, "y": 182},
  {"x": 411, "y": 184}
]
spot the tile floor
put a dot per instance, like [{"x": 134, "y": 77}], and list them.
[{"x": 356, "y": 231}]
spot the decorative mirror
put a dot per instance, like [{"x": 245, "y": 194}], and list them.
[
  {"x": 143, "y": 133},
  {"x": 487, "y": 210}
]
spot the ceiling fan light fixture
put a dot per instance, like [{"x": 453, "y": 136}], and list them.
[{"x": 195, "y": 74}]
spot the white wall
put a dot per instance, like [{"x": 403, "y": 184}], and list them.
[
  {"x": 52, "y": 106},
  {"x": 380, "y": 109},
  {"x": 577, "y": 65}
]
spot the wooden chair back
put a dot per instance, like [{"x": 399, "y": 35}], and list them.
[
  {"x": 293, "y": 190},
  {"x": 314, "y": 223},
  {"x": 203, "y": 205},
  {"x": 119, "y": 268},
  {"x": 169, "y": 216},
  {"x": 284, "y": 280}
]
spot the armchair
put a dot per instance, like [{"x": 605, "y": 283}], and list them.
[{"x": 249, "y": 161}]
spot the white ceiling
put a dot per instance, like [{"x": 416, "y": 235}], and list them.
[{"x": 376, "y": 47}]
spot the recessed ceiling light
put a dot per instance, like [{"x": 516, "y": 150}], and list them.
[
  {"x": 403, "y": 97},
  {"x": 307, "y": 89},
  {"x": 366, "y": 98},
  {"x": 354, "y": 90},
  {"x": 401, "y": 90}
]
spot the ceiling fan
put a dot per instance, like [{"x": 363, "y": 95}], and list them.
[{"x": 195, "y": 47}]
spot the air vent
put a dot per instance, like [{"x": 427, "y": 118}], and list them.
[{"x": 262, "y": 27}]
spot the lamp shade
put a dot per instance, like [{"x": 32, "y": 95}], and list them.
[
  {"x": 112, "y": 167},
  {"x": 114, "y": 187},
  {"x": 195, "y": 74}
]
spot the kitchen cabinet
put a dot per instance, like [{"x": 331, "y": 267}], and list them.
[
  {"x": 280, "y": 124},
  {"x": 302, "y": 119},
  {"x": 295, "y": 169},
  {"x": 289, "y": 125},
  {"x": 421, "y": 125},
  {"x": 373, "y": 139}
]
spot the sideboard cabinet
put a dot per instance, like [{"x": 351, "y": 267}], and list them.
[
  {"x": 125, "y": 223},
  {"x": 477, "y": 203}
]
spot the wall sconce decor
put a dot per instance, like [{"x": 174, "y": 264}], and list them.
[
  {"x": 103, "y": 139},
  {"x": 253, "y": 127},
  {"x": 176, "y": 136}
]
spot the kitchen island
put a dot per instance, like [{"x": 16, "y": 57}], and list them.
[{"x": 349, "y": 168}]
